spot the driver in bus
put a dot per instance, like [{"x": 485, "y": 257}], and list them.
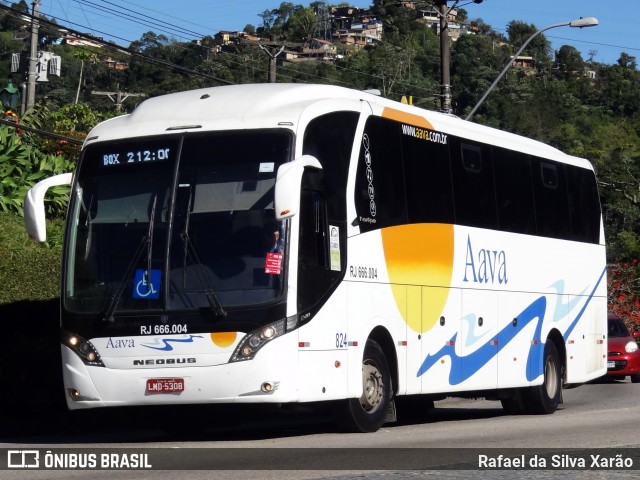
[{"x": 277, "y": 244}]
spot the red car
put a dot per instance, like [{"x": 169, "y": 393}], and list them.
[{"x": 624, "y": 354}]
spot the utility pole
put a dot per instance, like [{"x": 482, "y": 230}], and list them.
[
  {"x": 273, "y": 55},
  {"x": 33, "y": 56},
  {"x": 119, "y": 97},
  {"x": 445, "y": 80}
]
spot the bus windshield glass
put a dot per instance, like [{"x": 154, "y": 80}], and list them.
[{"x": 176, "y": 223}]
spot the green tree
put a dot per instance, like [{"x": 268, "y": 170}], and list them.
[
  {"x": 475, "y": 63},
  {"x": 149, "y": 41},
  {"x": 9, "y": 21},
  {"x": 539, "y": 48},
  {"x": 392, "y": 64},
  {"x": 627, "y": 61},
  {"x": 301, "y": 25},
  {"x": 569, "y": 62},
  {"x": 83, "y": 55},
  {"x": 268, "y": 17}
]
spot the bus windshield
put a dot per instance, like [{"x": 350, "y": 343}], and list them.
[{"x": 176, "y": 223}]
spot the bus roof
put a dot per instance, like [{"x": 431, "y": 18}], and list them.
[{"x": 278, "y": 105}]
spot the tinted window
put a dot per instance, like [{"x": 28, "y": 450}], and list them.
[
  {"x": 313, "y": 230},
  {"x": 330, "y": 139},
  {"x": 379, "y": 187},
  {"x": 472, "y": 171},
  {"x": 550, "y": 191},
  {"x": 514, "y": 192},
  {"x": 428, "y": 179},
  {"x": 584, "y": 205}
]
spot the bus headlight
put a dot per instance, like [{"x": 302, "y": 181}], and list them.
[
  {"x": 83, "y": 348},
  {"x": 254, "y": 341}
]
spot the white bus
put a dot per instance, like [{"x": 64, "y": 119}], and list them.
[{"x": 291, "y": 244}]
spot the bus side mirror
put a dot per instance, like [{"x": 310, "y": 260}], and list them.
[
  {"x": 288, "y": 181},
  {"x": 34, "y": 217}
]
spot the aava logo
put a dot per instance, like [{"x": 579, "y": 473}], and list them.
[
  {"x": 489, "y": 266},
  {"x": 120, "y": 343}
]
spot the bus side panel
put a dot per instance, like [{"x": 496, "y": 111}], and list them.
[
  {"x": 413, "y": 314},
  {"x": 587, "y": 343},
  {"x": 478, "y": 346},
  {"x": 515, "y": 338},
  {"x": 323, "y": 351},
  {"x": 441, "y": 329},
  {"x": 372, "y": 306}
]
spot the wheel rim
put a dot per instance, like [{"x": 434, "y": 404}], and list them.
[
  {"x": 373, "y": 388},
  {"x": 551, "y": 377}
]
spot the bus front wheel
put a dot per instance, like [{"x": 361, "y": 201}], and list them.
[{"x": 368, "y": 413}]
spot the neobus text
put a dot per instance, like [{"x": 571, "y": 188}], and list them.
[{"x": 163, "y": 361}]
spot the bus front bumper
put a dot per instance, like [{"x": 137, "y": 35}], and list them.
[{"x": 268, "y": 378}]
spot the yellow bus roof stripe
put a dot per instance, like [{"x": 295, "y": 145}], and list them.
[{"x": 404, "y": 117}]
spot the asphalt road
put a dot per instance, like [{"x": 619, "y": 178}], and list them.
[{"x": 276, "y": 445}]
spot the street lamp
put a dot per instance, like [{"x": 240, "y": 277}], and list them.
[{"x": 580, "y": 23}]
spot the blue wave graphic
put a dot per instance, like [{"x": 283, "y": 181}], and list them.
[
  {"x": 559, "y": 311},
  {"x": 593, "y": 292},
  {"x": 471, "y": 336},
  {"x": 463, "y": 370},
  {"x": 166, "y": 341}
]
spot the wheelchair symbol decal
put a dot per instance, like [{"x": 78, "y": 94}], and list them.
[{"x": 147, "y": 288}]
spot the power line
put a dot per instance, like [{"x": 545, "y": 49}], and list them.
[
  {"x": 241, "y": 62},
  {"x": 298, "y": 72},
  {"x": 130, "y": 51},
  {"x": 379, "y": 78},
  {"x": 145, "y": 20}
]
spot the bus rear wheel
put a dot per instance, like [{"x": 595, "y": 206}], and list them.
[
  {"x": 368, "y": 413},
  {"x": 545, "y": 398}
]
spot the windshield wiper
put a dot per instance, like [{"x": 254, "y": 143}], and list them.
[
  {"x": 152, "y": 221},
  {"x": 146, "y": 240},
  {"x": 108, "y": 315},
  {"x": 212, "y": 298}
]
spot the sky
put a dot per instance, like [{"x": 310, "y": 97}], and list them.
[{"x": 124, "y": 21}]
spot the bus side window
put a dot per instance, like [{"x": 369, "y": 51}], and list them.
[
  {"x": 379, "y": 194},
  {"x": 551, "y": 200},
  {"x": 514, "y": 191},
  {"x": 428, "y": 181},
  {"x": 584, "y": 205},
  {"x": 473, "y": 185}
]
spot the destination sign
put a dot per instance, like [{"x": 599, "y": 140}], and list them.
[{"x": 110, "y": 159}]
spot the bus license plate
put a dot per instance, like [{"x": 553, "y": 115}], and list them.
[{"x": 165, "y": 385}]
